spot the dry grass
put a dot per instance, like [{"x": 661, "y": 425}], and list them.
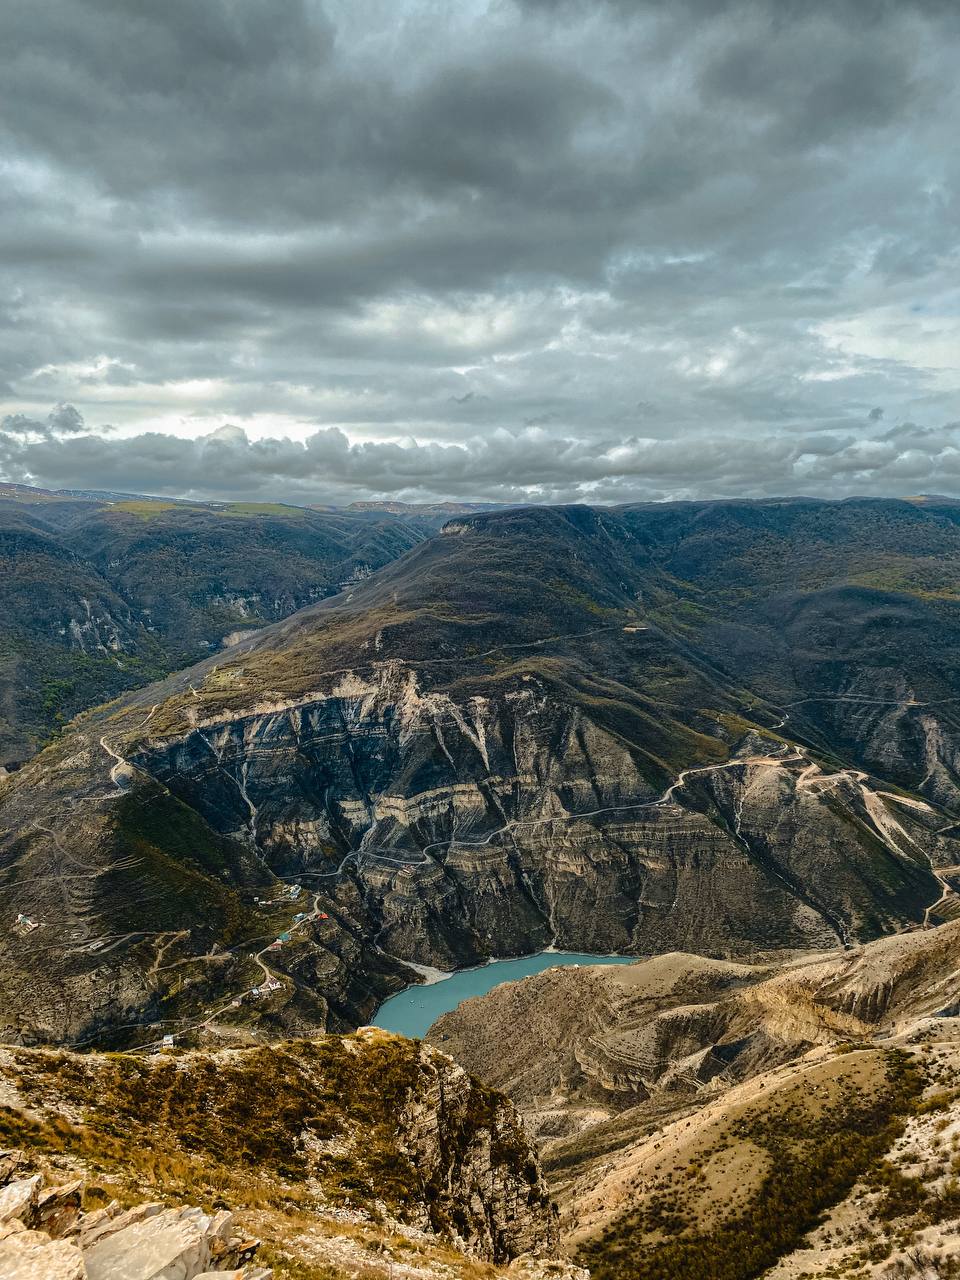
[
  {"x": 281, "y": 1135},
  {"x": 145, "y": 508},
  {"x": 721, "y": 1195}
]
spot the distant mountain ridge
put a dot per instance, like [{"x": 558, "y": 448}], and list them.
[
  {"x": 100, "y": 596},
  {"x": 425, "y": 508},
  {"x": 716, "y": 727}
]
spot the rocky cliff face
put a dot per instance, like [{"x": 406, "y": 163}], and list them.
[
  {"x": 542, "y": 824},
  {"x": 367, "y": 1135},
  {"x": 431, "y": 830},
  {"x": 495, "y": 745}
]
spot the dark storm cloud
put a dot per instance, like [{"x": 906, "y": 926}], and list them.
[
  {"x": 852, "y": 13},
  {"x": 532, "y": 463},
  {"x": 455, "y": 248},
  {"x": 63, "y": 419}
]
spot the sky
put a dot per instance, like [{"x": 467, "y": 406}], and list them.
[{"x": 501, "y": 250}]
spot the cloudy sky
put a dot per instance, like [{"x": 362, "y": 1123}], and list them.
[{"x": 554, "y": 250}]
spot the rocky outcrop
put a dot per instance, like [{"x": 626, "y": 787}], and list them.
[
  {"x": 45, "y": 1236},
  {"x": 476, "y": 1160},
  {"x": 371, "y": 1126},
  {"x": 572, "y": 1044}
]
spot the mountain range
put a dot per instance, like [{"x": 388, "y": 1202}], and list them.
[
  {"x": 720, "y": 739},
  {"x": 706, "y": 727},
  {"x": 100, "y": 593}
]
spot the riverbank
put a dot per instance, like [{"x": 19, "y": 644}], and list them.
[{"x": 413, "y": 1011}]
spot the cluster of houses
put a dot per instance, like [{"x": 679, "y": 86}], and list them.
[
  {"x": 271, "y": 984},
  {"x": 265, "y": 988},
  {"x": 291, "y": 892}
]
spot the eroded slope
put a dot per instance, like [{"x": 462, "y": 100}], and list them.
[
  {"x": 716, "y": 1120},
  {"x": 487, "y": 749},
  {"x": 332, "y": 1151}
]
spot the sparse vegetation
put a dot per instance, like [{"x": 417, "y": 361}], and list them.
[
  {"x": 814, "y": 1160},
  {"x": 254, "y": 1124},
  {"x": 368, "y": 1127}
]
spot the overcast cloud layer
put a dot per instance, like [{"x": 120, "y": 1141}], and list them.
[{"x": 486, "y": 249}]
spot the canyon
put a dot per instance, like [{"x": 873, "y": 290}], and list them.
[
  {"x": 718, "y": 739},
  {"x": 503, "y": 741}
]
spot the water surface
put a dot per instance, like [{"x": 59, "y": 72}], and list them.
[{"x": 412, "y": 1011}]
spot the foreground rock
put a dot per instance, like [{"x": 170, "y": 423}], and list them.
[
  {"x": 333, "y": 1152},
  {"x": 44, "y": 1235}
]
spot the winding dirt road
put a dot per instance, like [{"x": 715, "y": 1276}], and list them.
[{"x": 185, "y": 1026}]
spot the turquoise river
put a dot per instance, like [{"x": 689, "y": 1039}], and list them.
[{"x": 413, "y": 1010}]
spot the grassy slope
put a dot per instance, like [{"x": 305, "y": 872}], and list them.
[
  {"x": 170, "y": 579},
  {"x": 752, "y": 1180},
  {"x": 283, "y": 1135}
]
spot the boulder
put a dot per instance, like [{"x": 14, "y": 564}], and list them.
[
  {"x": 9, "y": 1163},
  {"x": 177, "y": 1244},
  {"x": 57, "y": 1209},
  {"x": 32, "y": 1255},
  {"x": 107, "y": 1221},
  {"x": 17, "y": 1199},
  {"x": 146, "y": 1242}
]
